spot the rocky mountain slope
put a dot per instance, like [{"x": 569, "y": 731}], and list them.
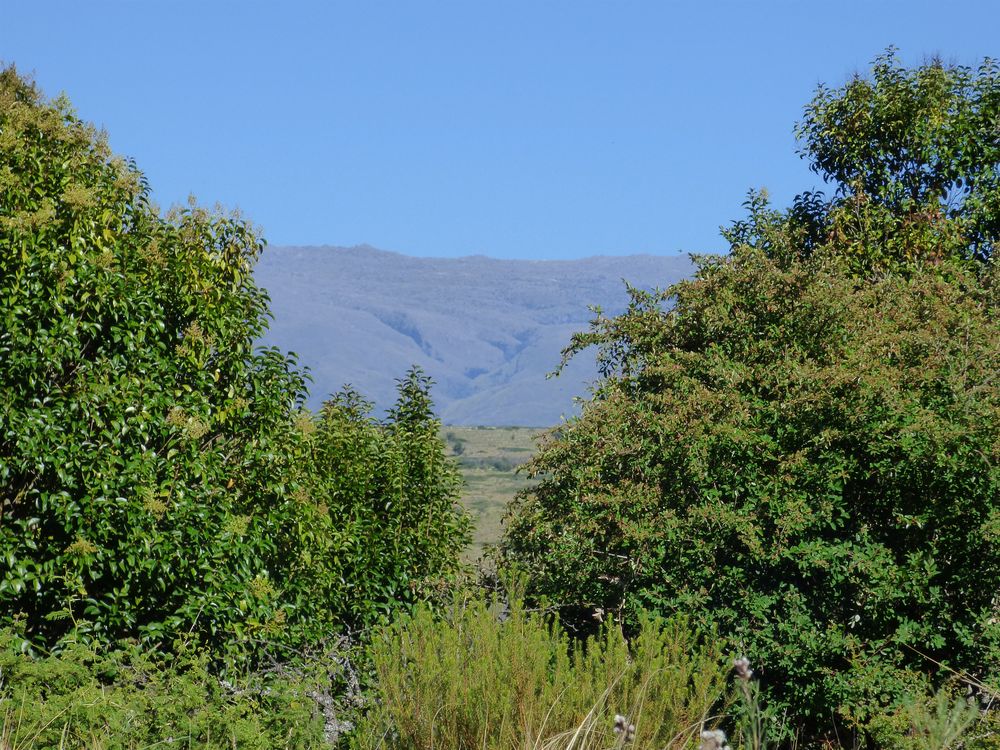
[{"x": 486, "y": 330}]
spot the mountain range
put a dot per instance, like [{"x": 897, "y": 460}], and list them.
[{"x": 486, "y": 330}]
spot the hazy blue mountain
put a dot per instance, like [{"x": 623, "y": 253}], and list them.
[{"x": 486, "y": 330}]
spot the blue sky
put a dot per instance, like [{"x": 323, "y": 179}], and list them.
[{"x": 513, "y": 129}]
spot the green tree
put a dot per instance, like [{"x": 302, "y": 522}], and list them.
[
  {"x": 912, "y": 156},
  {"x": 391, "y": 484},
  {"x": 799, "y": 447},
  {"x": 158, "y": 474},
  {"x": 148, "y": 479}
]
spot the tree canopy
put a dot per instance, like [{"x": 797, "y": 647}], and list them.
[
  {"x": 799, "y": 447},
  {"x": 158, "y": 474},
  {"x": 913, "y": 159}
]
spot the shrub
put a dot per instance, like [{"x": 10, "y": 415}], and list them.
[
  {"x": 803, "y": 450},
  {"x": 784, "y": 460},
  {"x": 395, "y": 497},
  {"x": 495, "y": 675},
  {"x": 158, "y": 475},
  {"x": 133, "y": 699}
]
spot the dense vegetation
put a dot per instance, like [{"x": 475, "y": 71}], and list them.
[
  {"x": 800, "y": 446},
  {"x": 791, "y": 457},
  {"x": 491, "y": 675},
  {"x": 158, "y": 476},
  {"x": 133, "y": 698}
]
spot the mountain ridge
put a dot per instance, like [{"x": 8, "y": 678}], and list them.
[{"x": 487, "y": 330}]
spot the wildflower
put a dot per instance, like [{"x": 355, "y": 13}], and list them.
[
  {"x": 194, "y": 341},
  {"x": 196, "y": 428},
  {"x": 153, "y": 255},
  {"x": 713, "y": 739},
  {"x": 275, "y": 624},
  {"x": 154, "y": 505},
  {"x": 7, "y": 179},
  {"x": 194, "y": 332},
  {"x": 81, "y": 547},
  {"x": 125, "y": 178},
  {"x": 236, "y": 525},
  {"x": 176, "y": 417},
  {"x": 24, "y": 221},
  {"x": 77, "y": 196},
  {"x": 742, "y": 668},
  {"x": 304, "y": 423},
  {"x": 105, "y": 260},
  {"x": 261, "y": 588},
  {"x": 623, "y": 729}
]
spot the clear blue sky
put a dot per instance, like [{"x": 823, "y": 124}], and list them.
[{"x": 529, "y": 129}]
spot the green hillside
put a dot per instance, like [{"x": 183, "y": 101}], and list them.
[{"x": 489, "y": 458}]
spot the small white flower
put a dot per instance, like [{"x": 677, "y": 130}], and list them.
[
  {"x": 713, "y": 739},
  {"x": 742, "y": 667},
  {"x": 622, "y": 727}
]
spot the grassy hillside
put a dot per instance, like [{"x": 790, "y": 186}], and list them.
[{"x": 489, "y": 458}]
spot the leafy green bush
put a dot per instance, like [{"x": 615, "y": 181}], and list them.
[
  {"x": 158, "y": 476},
  {"x": 489, "y": 675},
  {"x": 133, "y": 699},
  {"x": 781, "y": 458},
  {"x": 394, "y": 494},
  {"x": 803, "y": 450},
  {"x": 147, "y": 452}
]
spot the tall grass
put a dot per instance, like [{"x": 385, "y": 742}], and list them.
[
  {"x": 475, "y": 676},
  {"x": 483, "y": 677},
  {"x": 132, "y": 700}
]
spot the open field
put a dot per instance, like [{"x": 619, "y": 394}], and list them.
[{"x": 489, "y": 458}]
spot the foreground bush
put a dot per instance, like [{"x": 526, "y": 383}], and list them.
[
  {"x": 133, "y": 699},
  {"x": 489, "y": 676},
  {"x": 158, "y": 476},
  {"x": 800, "y": 446}
]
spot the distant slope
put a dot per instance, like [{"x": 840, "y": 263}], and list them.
[{"x": 486, "y": 330}]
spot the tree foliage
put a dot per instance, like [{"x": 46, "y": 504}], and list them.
[
  {"x": 913, "y": 156},
  {"x": 392, "y": 485},
  {"x": 800, "y": 446},
  {"x": 158, "y": 475}
]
